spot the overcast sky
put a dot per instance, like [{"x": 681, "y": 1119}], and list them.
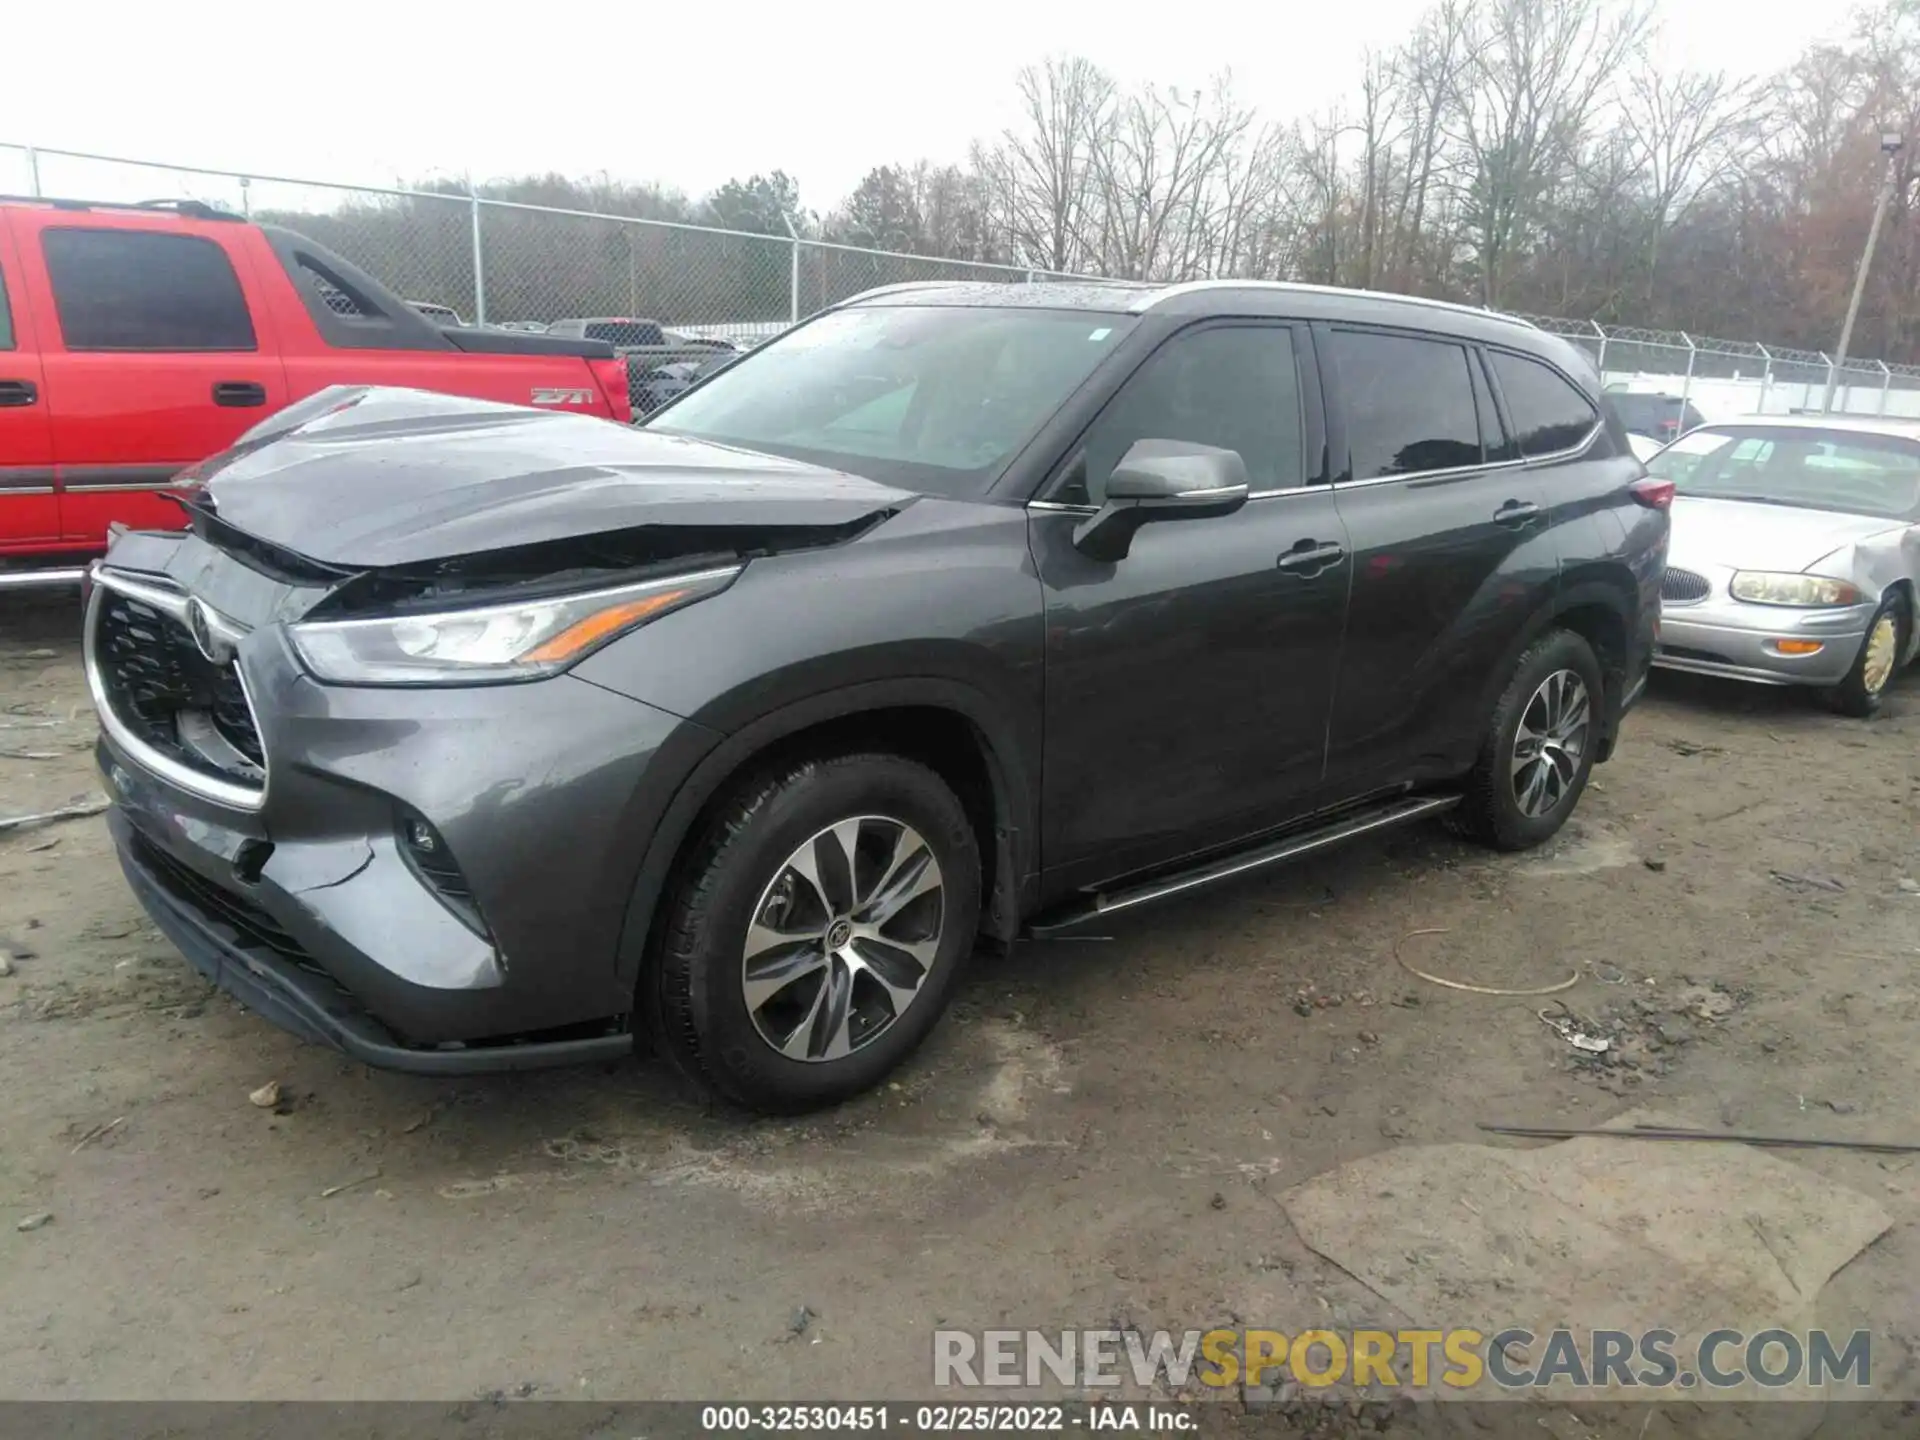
[{"x": 687, "y": 93}]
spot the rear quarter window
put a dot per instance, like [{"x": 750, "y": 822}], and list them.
[
  {"x": 139, "y": 290},
  {"x": 1548, "y": 413},
  {"x": 6, "y": 316}
]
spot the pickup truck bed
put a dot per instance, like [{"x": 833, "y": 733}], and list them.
[{"x": 137, "y": 340}]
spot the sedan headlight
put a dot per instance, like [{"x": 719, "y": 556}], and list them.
[
  {"x": 1763, "y": 587},
  {"x": 520, "y": 641}
]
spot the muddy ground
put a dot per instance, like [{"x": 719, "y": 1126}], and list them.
[{"x": 1096, "y": 1136}]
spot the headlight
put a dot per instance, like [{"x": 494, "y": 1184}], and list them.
[
  {"x": 1763, "y": 587},
  {"x": 520, "y": 641}
]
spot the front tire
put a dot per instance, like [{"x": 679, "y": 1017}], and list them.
[
  {"x": 1538, "y": 748},
  {"x": 1860, "y": 694},
  {"x": 811, "y": 943}
]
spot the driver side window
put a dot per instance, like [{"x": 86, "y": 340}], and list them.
[{"x": 1233, "y": 386}]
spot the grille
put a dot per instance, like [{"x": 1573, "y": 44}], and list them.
[
  {"x": 155, "y": 677},
  {"x": 254, "y": 926},
  {"x": 1681, "y": 587}
]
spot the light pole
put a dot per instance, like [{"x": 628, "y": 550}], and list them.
[{"x": 1892, "y": 145}]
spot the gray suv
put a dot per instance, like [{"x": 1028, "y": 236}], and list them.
[{"x": 460, "y": 736}]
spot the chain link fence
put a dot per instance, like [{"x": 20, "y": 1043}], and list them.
[{"x": 508, "y": 263}]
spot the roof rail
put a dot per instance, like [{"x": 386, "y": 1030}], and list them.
[
  {"x": 1189, "y": 286},
  {"x": 901, "y": 287},
  {"x": 191, "y": 209}
]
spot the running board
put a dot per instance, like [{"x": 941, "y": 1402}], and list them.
[{"x": 1289, "y": 847}]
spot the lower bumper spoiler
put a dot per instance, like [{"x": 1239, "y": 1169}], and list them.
[{"x": 310, "y": 1006}]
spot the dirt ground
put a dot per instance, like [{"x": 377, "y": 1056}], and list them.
[{"x": 1097, "y": 1135}]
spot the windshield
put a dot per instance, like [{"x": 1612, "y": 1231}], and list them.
[
  {"x": 1814, "y": 469},
  {"x": 937, "y": 399}
]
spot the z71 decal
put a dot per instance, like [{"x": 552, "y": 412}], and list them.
[{"x": 561, "y": 395}]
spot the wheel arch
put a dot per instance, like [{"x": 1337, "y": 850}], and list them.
[
  {"x": 1597, "y": 609},
  {"x": 946, "y": 724},
  {"x": 1904, "y": 587}
]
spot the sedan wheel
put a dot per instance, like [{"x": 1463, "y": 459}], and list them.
[
  {"x": 1874, "y": 667},
  {"x": 1883, "y": 648},
  {"x": 1550, "y": 742},
  {"x": 843, "y": 938}
]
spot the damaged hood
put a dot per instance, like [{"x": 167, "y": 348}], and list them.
[
  {"x": 365, "y": 478},
  {"x": 1746, "y": 535}
]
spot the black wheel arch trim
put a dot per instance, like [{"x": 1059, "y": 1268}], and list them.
[
  {"x": 1015, "y": 802},
  {"x": 1615, "y": 596}
]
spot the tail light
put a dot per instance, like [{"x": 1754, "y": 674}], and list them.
[
  {"x": 612, "y": 378},
  {"x": 1652, "y": 493}
]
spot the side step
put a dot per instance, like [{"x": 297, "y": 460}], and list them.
[{"x": 1289, "y": 847}]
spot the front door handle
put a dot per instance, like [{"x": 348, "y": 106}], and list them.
[
  {"x": 1308, "y": 558},
  {"x": 1516, "y": 513},
  {"x": 18, "y": 392},
  {"x": 241, "y": 393}
]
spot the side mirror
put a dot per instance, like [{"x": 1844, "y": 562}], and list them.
[{"x": 1161, "y": 480}]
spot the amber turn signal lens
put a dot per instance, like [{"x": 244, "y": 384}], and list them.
[
  {"x": 596, "y": 627},
  {"x": 1798, "y": 647}
]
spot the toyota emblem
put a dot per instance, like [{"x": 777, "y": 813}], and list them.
[{"x": 201, "y": 628}]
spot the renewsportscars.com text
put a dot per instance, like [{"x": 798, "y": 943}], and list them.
[{"x": 1514, "y": 1358}]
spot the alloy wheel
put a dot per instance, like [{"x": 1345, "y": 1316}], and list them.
[
  {"x": 1550, "y": 742},
  {"x": 843, "y": 938}
]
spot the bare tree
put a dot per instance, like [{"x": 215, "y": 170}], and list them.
[
  {"x": 1536, "y": 76},
  {"x": 1037, "y": 176},
  {"x": 1687, "y": 130},
  {"x": 1159, "y": 168}
]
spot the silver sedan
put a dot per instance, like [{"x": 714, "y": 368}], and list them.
[{"x": 1795, "y": 557}]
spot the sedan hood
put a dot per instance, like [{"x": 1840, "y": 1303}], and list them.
[
  {"x": 366, "y": 478},
  {"x": 1744, "y": 535}
]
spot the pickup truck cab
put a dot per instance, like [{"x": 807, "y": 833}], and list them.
[{"x": 137, "y": 340}]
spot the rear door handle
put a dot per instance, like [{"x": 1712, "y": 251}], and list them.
[
  {"x": 1308, "y": 558},
  {"x": 239, "y": 392},
  {"x": 1516, "y": 513},
  {"x": 18, "y": 392}
]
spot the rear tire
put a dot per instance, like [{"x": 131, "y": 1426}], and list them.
[
  {"x": 811, "y": 943},
  {"x": 1866, "y": 685},
  {"x": 1538, "y": 748}
]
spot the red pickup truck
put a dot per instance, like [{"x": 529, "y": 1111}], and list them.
[{"x": 138, "y": 339}]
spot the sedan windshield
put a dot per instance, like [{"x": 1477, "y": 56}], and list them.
[
  {"x": 1814, "y": 469},
  {"x": 937, "y": 399}
]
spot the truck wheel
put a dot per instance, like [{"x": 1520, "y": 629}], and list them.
[
  {"x": 1538, "y": 748},
  {"x": 811, "y": 943},
  {"x": 1859, "y": 695}
]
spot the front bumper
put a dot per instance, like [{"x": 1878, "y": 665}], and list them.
[
  {"x": 302, "y": 998},
  {"x": 307, "y": 906},
  {"x": 1726, "y": 637}
]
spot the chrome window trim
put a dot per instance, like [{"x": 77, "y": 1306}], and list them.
[
  {"x": 170, "y": 601},
  {"x": 1572, "y": 452}
]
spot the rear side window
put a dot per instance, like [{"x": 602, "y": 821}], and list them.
[
  {"x": 1548, "y": 413},
  {"x": 1233, "y": 386},
  {"x": 6, "y": 316},
  {"x": 1409, "y": 404},
  {"x": 135, "y": 290}
]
